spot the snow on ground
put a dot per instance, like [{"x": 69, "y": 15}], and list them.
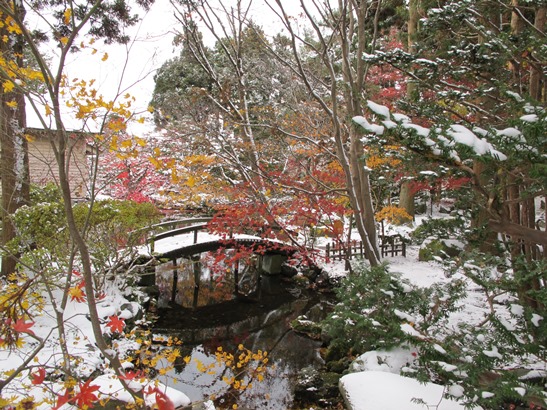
[
  {"x": 376, "y": 383},
  {"x": 367, "y": 388},
  {"x": 387, "y": 391}
]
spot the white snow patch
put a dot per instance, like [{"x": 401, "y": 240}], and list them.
[
  {"x": 404, "y": 316},
  {"x": 493, "y": 353},
  {"x": 421, "y": 131},
  {"x": 391, "y": 361},
  {"x": 529, "y": 118},
  {"x": 374, "y": 128},
  {"x": 535, "y": 319},
  {"x": 375, "y": 390},
  {"x": 520, "y": 391},
  {"x": 409, "y": 330},
  {"x": 378, "y": 109},
  {"x": 517, "y": 310},
  {"x": 400, "y": 117},
  {"x": 447, "y": 367}
]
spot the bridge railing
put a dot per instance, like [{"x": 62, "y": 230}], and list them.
[{"x": 153, "y": 233}]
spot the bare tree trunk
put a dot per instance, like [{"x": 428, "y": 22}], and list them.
[
  {"x": 406, "y": 198},
  {"x": 412, "y": 23},
  {"x": 14, "y": 163},
  {"x": 536, "y": 73},
  {"x": 516, "y": 21}
]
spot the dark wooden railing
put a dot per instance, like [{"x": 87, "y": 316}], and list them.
[{"x": 392, "y": 245}]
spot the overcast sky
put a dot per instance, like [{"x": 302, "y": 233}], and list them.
[{"x": 132, "y": 67}]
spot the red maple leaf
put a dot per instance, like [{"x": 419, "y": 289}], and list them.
[
  {"x": 61, "y": 400},
  {"x": 162, "y": 401},
  {"x": 21, "y": 327},
  {"x": 132, "y": 375},
  {"x": 116, "y": 324},
  {"x": 38, "y": 377},
  {"x": 86, "y": 396}
]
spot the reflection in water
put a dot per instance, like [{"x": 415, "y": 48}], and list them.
[
  {"x": 288, "y": 353},
  {"x": 212, "y": 280},
  {"x": 207, "y": 278}
]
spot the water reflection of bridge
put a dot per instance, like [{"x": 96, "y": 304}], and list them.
[{"x": 200, "y": 267}]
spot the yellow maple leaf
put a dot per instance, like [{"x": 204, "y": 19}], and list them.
[
  {"x": 140, "y": 141},
  {"x": 67, "y": 15},
  {"x": 8, "y": 86},
  {"x": 48, "y": 110},
  {"x": 105, "y": 57},
  {"x": 12, "y": 104},
  {"x": 64, "y": 40},
  {"x": 155, "y": 162},
  {"x": 76, "y": 293},
  {"x": 126, "y": 144},
  {"x": 191, "y": 181}
]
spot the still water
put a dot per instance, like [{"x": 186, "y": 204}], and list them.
[{"x": 257, "y": 330}]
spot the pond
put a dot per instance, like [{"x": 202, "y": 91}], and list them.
[{"x": 257, "y": 327}]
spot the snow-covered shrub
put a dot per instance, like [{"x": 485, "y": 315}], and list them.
[
  {"x": 439, "y": 228},
  {"x": 379, "y": 310},
  {"x": 493, "y": 360}
]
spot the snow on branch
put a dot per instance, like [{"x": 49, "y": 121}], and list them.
[{"x": 440, "y": 141}]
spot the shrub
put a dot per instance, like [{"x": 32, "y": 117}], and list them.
[
  {"x": 493, "y": 361},
  {"x": 375, "y": 303}
]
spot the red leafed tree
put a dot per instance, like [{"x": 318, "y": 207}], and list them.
[{"x": 128, "y": 166}]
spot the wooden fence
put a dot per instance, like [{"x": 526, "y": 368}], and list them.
[{"x": 392, "y": 245}]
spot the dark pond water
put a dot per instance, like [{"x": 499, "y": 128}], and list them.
[{"x": 260, "y": 324}]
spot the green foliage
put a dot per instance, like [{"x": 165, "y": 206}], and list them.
[
  {"x": 432, "y": 249},
  {"x": 374, "y": 303},
  {"x": 42, "y": 233},
  {"x": 119, "y": 217},
  {"x": 49, "y": 193},
  {"x": 440, "y": 228},
  {"x": 490, "y": 363},
  {"x": 41, "y": 225},
  {"x": 108, "y": 226}
]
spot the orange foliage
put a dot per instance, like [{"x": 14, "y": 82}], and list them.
[{"x": 393, "y": 214}]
